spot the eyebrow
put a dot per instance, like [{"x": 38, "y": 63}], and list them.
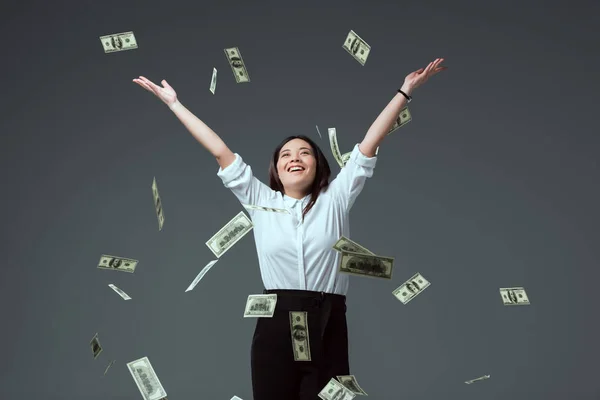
[{"x": 305, "y": 148}]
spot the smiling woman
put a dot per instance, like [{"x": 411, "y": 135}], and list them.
[
  {"x": 295, "y": 254},
  {"x": 298, "y": 168}
]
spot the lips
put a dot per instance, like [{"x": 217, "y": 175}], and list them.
[{"x": 296, "y": 168}]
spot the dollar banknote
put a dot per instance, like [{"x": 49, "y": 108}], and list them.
[
  {"x": 319, "y": 132},
  {"x": 336, "y": 391},
  {"x": 403, "y": 118},
  {"x": 95, "y": 345},
  {"x": 158, "y": 205},
  {"x": 109, "y": 365},
  {"x": 213, "y": 81},
  {"x": 237, "y": 65},
  {"x": 300, "y": 339},
  {"x": 236, "y": 398},
  {"x": 269, "y": 209},
  {"x": 206, "y": 268},
  {"x": 481, "y": 378},
  {"x": 118, "y": 42},
  {"x": 345, "y": 157},
  {"x": 121, "y": 293},
  {"x": 260, "y": 305},
  {"x": 335, "y": 149},
  {"x": 514, "y": 296},
  {"x": 230, "y": 234},
  {"x": 366, "y": 265},
  {"x": 350, "y": 383},
  {"x": 358, "y": 48},
  {"x": 411, "y": 288},
  {"x": 345, "y": 244},
  {"x": 117, "y": 263},
  {"x": 146, "y": 380}
]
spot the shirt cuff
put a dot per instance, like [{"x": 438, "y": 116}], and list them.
[
  {"x": 362, "y": 160},
  {"x": 233, "y": 170}
]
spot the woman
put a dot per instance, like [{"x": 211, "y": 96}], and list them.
[{"x": 295, "y": 252}]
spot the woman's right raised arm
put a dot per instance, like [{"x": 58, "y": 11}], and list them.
[{"x": 203, "y": 134}]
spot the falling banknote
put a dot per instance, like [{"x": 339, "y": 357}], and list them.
[
  {"x": 237, "y": 65},
  {"x": 213, "y": 81},
  {"x": 95, "y": 345},
  {"x": 366, "y": 265},
  {"x": 260, "y": 305},
  {"x": 336, "y": 391},
  {"x": 515, "y": 296},
  {"x": 481, "y": 378},
  {"x": 146, "y": 380},
  {"x": 118, "y": 42},
  {"x": 230, "y": 234},
  {"x": 358, "y": 48},
  {"x": 350, "y": 383},
  {"x": 121, "y": 293},
  {"x": 335, "y": 149},
  {"x": 158, "y": 205},
  {"x": 117, "y": 263},
  {"x": 109, "y": 365},
  {"x": 269, "y": 209},
  {"x": 318, "y": 131},
  {"x": 345, "y": 244},
  {"x": 411, "y": 288},
  {"x": 300, "y": 339},
  {"x": 403, "y": 118},
  {"x": 201, "y": 274}
]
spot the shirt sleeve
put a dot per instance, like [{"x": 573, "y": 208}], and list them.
[
  {"x": 351, "y": 179},
  {"x": 238, "y": 177}
]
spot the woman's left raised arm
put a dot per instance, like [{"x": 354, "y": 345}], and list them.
[{"x": 381, "y": 126}]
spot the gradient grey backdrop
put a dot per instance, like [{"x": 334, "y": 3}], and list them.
[{"x": 493, "y": 184}]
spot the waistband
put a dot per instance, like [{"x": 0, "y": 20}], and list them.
[{"x": 304, "y": 293}]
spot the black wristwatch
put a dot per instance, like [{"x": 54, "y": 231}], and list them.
[{"x": 409, "y": 98}]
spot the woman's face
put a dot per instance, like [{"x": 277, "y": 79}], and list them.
[{"x": 296, "y": 153}]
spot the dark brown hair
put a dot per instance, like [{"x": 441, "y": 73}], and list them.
[{"x": 322, "y": 174}]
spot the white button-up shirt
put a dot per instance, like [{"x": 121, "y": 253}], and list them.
[{"x": 293, "y": 254}]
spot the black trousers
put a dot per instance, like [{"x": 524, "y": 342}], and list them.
[{"x": 275, "y": 373}]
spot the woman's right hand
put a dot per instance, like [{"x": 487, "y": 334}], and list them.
[{"x": 166, "y": 93}]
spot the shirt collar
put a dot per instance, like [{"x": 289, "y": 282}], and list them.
[{"x": 291, "y": 202}]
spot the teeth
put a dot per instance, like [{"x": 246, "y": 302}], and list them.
[{"x": 295, "y": 169}]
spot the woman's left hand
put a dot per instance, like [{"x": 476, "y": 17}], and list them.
[{"x": 420, "y": 76}]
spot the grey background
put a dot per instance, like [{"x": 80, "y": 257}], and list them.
[{"x": 493, "y": 184}]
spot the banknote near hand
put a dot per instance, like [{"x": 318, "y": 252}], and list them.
[
  {"x": 335, "y": 149},
  {"x": 403, "y": 118},
  {"x": 230, "y": 234},
  {"x": 366, "y": 265},
  {"x": 118, "y": 42}
]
